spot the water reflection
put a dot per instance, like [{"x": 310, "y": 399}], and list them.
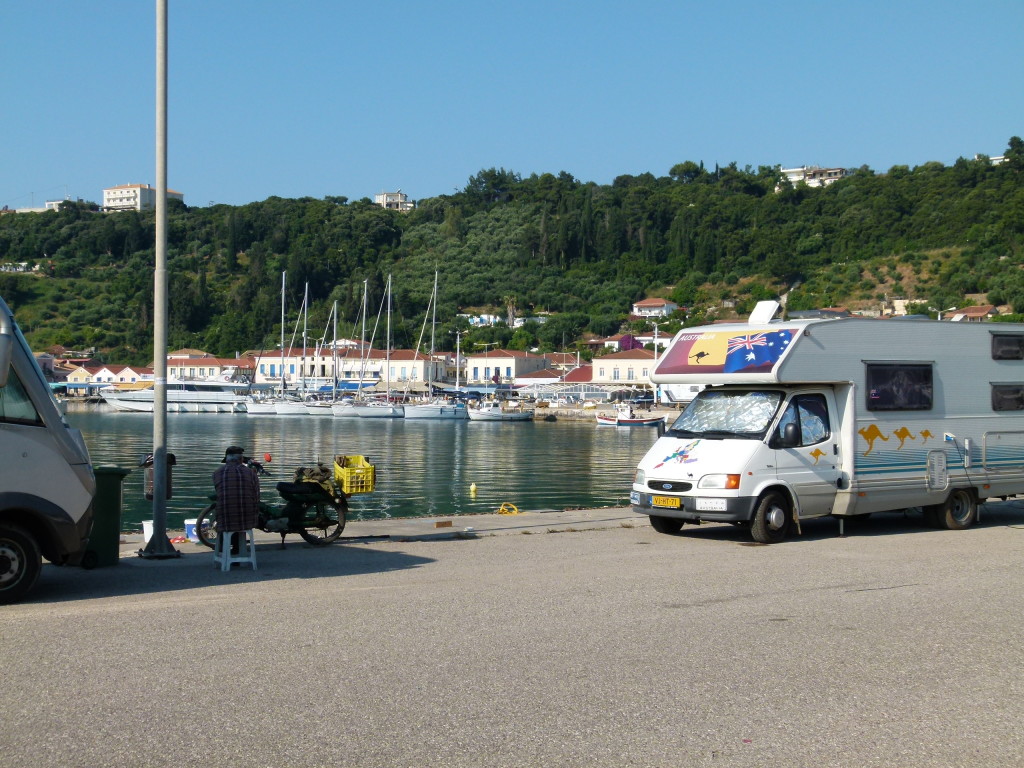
[{"x": 424, "y": 468}]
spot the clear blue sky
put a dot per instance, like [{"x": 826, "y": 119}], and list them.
[{"x": 324, "y": 97}]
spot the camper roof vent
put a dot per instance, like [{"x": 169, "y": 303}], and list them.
[{"x": 763, "y": 312}]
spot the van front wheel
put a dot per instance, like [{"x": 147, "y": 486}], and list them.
[
  {"x": 771, "y": 519},
  {"x": 666, "y": 524},
  {"x": 20, "y": 562}
]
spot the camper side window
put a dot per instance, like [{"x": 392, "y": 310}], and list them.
[
  {"x": 1007, "y": 346},
  {"x": 899, "y": 386},
  {"x": 1008, "y": 397},
  {"x": 15, "y": 405},
  {"x": 810, "y": 414}
]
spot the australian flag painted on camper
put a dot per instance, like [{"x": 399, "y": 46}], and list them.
[
  {"x": 725, "y": 352},
  {"x": 755, "y": 351}
]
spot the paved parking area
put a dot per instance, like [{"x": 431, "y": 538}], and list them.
[{"x": 590, "y": 642}]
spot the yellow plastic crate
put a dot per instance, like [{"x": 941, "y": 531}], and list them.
[{"x": 354, "y": 474}]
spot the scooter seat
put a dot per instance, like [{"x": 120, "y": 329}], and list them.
[{"x": 302, "y": 491}]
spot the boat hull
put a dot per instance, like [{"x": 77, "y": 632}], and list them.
[
  {"x": 437, "y": 411},
  {"x": 141, "y": 401},
  {"x": 496, "y": 414},
  {"x": 379, "y": 411},
  {"x": 626, "y": 421}
]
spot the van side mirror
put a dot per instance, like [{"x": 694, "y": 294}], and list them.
[{"x": 790, "y": 436}]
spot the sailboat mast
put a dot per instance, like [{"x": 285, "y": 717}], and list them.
[
  {"x": 362, "y": 343},
  {"x": 283, "y": 275},
  {"x": 305, "y": 315},
  {"x": 433, "y": 325},
  {"x": 387, "y": 346},
  {"x": 458, "y": 338},
  {"x": 334, "y": 355}
]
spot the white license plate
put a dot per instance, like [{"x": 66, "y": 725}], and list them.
[{"x": 711, "y": 505}]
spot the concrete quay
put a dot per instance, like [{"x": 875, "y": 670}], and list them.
[{"x": 578, "y": 638}]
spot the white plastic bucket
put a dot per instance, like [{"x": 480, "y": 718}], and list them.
[
  {"x": 147, "y": 530},
  {"x": 190, "y": 530}
]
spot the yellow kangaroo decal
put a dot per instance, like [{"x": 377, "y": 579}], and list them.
[
  {"x": 817, "y": 453},
  {"x": 903, "y": 434},
  {"x": 870, "y": 434}
]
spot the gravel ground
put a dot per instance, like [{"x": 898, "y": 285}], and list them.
[{"x": 611, "y": 645}]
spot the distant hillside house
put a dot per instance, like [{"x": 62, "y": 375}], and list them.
[
  {"x": 654, "y": 308},
  {"x": 813, "y": 176},
  {"x": 621, "y": 342},
  {"x": 395, "y": 201},
  {"x": 134, "y": 197},
  {"x": 973, "y": 314}
]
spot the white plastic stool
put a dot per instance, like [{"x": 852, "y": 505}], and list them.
[{"x": 246, "y": 549}]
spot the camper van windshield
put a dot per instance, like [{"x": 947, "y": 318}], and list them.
[{"x": 720, "y": 414}]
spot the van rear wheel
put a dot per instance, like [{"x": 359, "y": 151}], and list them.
[
  {"x": 771, "y": 519},
  {"x": 664, "y": 524},
  {"x": 959, "y": 511},
  {"x": 20, "y": 562}
]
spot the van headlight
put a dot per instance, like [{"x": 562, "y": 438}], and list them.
[
  {"x": 720, "y": 482},
  {"x": 640, "y": 476}
]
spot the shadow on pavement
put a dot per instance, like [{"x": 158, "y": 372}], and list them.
[
  {"x": 195, "y": 570},
  {"x": 992, "y": 515}
]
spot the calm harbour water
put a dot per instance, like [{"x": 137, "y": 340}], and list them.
[{"x": 424, "y": 468}]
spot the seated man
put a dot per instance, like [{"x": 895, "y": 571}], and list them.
[{"x": 238, "y": 494}]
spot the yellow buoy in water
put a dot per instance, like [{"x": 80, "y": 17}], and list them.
[{"x": 472, "y": 489}]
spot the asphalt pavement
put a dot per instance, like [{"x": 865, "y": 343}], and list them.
[{"x": 579, "y": 638}]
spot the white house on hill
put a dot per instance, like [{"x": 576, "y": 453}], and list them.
[{"x": 654, "y": 308}]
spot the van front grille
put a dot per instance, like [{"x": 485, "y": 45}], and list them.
[{"x": 669, "y": 485}]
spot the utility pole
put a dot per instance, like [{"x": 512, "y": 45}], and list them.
[{"x": 159, "y": 547}]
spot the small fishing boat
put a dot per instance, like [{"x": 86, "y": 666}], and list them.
[
  {"x": 493, "y": 411},
  {"x": 624, "y": 417}
]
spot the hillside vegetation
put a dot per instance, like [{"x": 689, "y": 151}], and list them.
[{"x": 544, "y": 244}]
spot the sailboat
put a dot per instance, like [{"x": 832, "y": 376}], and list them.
[
  {"x": 345, "y": 408},
  {"x": 295, "y": 406},
  {"x": 383, "y": 409},
  {"x": 326, "y": 407},
  {"x": 439, "y": 408},
  {"x": 267, "y": 406}
]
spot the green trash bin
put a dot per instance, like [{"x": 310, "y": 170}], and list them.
[{"x": 105, "y": 538}]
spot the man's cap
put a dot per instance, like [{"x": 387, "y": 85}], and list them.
[{"x": 232, "y": 450}]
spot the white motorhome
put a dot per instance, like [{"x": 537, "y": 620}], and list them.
[
  {"x": 844, "y": 417},
  {"x": 47, "y": 484}
]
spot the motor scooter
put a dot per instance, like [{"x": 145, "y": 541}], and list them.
[{"x": 315, "y": 508}]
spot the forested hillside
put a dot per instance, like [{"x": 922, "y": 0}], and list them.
[{"x": 543, "y": 244}]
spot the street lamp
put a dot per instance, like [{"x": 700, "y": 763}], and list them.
[{"x": 940, "y": 311}]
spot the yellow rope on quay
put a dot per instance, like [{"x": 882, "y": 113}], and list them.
[{"x": 508, "y": 508}]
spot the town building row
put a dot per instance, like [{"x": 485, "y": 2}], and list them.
[{"x": 318, "y": 369}]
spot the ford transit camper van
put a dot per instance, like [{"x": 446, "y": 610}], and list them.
[{"x": 843, "y": 417}]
